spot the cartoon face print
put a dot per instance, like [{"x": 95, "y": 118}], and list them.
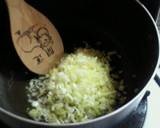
[
  {"x": 44, "y": 37},
  {"x": 27, "y": 40},
  {"x": 35, "y": 37}
]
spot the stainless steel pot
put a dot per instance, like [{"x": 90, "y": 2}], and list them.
[{"x": 125, "y": 26}]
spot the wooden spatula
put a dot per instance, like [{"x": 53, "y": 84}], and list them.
[{"x": 35, "y": 39}]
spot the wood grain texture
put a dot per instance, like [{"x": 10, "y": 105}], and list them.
[{"x": 35, "y": 39}]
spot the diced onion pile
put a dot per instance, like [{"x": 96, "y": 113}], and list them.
[{"x": 79, "y": 88}]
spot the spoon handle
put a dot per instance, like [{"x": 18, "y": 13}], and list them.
[{"x": 14, "y": 3}]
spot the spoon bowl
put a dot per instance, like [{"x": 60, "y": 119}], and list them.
[{"x": 36, "y": 40}]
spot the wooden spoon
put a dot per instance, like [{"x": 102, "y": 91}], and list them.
[{"x": 35, "y": 39}]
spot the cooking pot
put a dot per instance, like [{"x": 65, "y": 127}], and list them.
[{"x": 126, "y": 27}]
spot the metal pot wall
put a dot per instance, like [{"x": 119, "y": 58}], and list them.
[
  {"x": 152, "y": 6},
  {"x": 125, "y": 26}
]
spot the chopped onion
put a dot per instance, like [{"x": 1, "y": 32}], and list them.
[{"x": 78, "y": 89}]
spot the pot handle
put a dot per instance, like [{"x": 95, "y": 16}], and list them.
[
  {"x": 153, "y": 7},
  {"x": 157, "y": 78}
]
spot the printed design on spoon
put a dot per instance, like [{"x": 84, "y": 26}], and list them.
[{"x": 35, "y": 37}]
